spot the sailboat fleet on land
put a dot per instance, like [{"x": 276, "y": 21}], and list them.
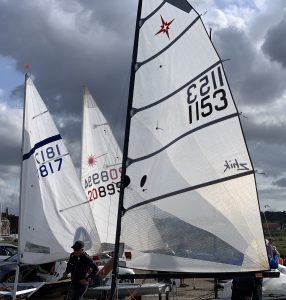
[
  {"x": 188, "y": 200},
  {"x": 52, "y": 216},
  {"x": 52, "y": 211}
]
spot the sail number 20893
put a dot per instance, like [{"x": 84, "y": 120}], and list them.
[
  {"x": 103, "y": 191},
  {"x": 206, "y": 96}
]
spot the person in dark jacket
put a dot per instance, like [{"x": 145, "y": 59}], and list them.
[
  {"x": 243, "y": 288},
  {"x": 246, "y": 288},
  {"x": 79, "y": 265}
]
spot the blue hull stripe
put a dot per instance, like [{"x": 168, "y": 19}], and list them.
[{"x": 41, "y": 144}]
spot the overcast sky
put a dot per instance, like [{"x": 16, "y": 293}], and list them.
[{"x": 69, "y": 43}]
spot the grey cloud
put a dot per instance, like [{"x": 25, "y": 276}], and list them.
[
  {"x": 274, "y": 133},
  {"x": 10, "y": 153},
  {"x": 6, "y": 172},
  {"x": 275, "y": 43},
  {"x": 233, "y": 44},
  {"x": 97, "y": 52},
  {"x": 268, "y": 158},
  {"x": 275, "y": 197},
  {"x": 274, "y": 194},
  {"x": 259, "y": 25},
  {"x": 252, "y": 79},
  {"x": 267, "y": 146},
  {"x": 115, "y": 17},
  {"x": 63, "y": 61},
  {"x": 10, "y": 138},
  {"x": 281, "y": 182}
]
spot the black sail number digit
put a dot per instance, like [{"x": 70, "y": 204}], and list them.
[
  {"x": 206, "y": 106},
  {"x": 205, "y": 96},
  {"x": 222, "y": 97},
  {"x": 204, "y": 89},
  {"x": 191, "y": 97}
]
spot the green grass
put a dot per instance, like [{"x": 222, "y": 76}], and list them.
[
  {"x": 279, "y": 240},
  {"x": 9, "y": 242}
]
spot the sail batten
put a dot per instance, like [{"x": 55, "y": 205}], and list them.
[
  {"x": 190, "y": 203},
  {"x": 151, "y": 14},
  {"x": 139, "y": 64},
  {"x": 131, "y": 160},
  {"x": 191, "y": 188},
  {"x": 136, "y": 110},
  {"x": 40, "y": 114}
]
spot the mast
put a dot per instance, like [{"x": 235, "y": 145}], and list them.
[
  {"x": 1, "y": 220},
  {"x": 84, "y": 88},
  {"x": 21, "y": 172},
  {"x": 125, "y": 150}
]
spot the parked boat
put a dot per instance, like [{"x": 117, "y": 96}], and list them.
[
  {"x": 54, "y": 212},
  {"x": 101, "y": 160},
  {"x": 272, "y": 288},
  {"x": 189, "y": 203}
]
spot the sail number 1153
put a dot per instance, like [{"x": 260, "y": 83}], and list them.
[{"x": 206, "y": 96}]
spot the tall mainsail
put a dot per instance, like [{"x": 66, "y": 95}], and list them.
[
  {"x": 191, "y": 204},
  {"x": 100, "y": 170},
  {"x": 53, "y": 207}
]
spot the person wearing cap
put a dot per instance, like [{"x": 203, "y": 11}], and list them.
[{"x": 79, "y": 266}]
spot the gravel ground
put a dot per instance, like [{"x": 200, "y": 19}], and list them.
[{"x": 196, "y": 289}]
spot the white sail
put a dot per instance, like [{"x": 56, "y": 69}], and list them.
[
  {"x": 53, "y": 207},
  {"x": 100, "y": 170},
  {"x": 191, "y": 205}
]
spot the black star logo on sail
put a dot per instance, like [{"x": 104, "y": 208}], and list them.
[{"x": 165, "y": 27}]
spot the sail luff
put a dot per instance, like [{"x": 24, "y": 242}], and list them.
[
  {"x": 82, "y": 130},
  {"x": 125, "y": 149},
  {"x": 21, "y": 172}
]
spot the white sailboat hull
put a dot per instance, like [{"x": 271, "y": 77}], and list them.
[{"x": 272, "y": 288}]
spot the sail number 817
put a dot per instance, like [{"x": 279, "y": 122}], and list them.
[{"x": 49, "y": 160}]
